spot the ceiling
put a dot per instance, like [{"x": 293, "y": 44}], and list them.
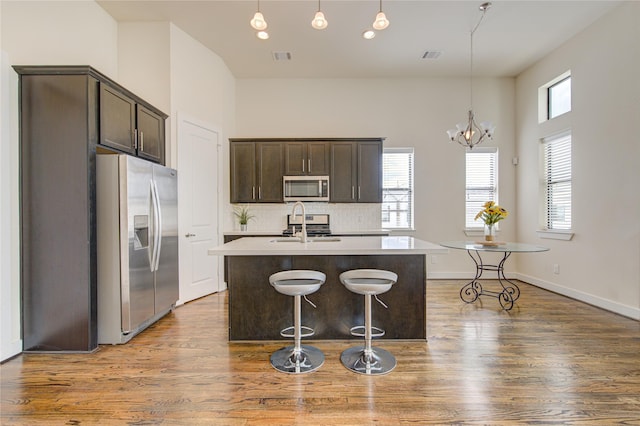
[{"x": 513, "y": 35}]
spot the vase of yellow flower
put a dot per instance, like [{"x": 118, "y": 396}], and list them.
[
  {"x": 489, "y": 232},
  {"x": 491, "y": 214}
]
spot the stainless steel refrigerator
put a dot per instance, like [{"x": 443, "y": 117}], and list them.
[{"x": 137, "y": 236}]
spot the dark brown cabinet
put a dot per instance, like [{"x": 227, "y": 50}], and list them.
[
  {"x": 356, "y": 171},
  {"x": 129, "y": 126},
  {"x": 61, "y": 129},
  {"x": 353, "y": 164},
  {"x": 256, "y": 171},
  {"x": 151, "y": 142},
  {"x": 307, "y": 158}
]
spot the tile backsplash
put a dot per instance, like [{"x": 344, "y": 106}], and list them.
[{"x": 343, "y": 217}]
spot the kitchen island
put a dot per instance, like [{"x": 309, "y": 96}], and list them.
[{"x": 258, "y": 312}]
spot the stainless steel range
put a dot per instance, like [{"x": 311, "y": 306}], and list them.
[{"x": 317, "y": 225}]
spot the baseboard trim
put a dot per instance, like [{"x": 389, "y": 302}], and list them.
[{"x": 618, "y": 308}]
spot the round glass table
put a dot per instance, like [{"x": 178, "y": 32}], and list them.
[{"x": 471, "y": 291}]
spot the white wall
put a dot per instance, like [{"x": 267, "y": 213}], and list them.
[
  {"x": 70, "y": 33},
  {"x": 409, "y": 113},
  {"x": 201, "y": 86},
  {"x": 144, "y": 61},
  {"x": 601, "y": 265}
]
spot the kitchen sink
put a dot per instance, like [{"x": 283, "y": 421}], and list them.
[
  {"x": 309, "y": 240},
  {"x": 323, "y": 239}
]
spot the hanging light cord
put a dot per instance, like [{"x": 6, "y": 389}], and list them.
[{"x": 483, "y": 8}]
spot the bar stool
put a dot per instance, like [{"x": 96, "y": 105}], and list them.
[
  {"x": 297, "y": 358},
  {"x": 367, "y": 359}
]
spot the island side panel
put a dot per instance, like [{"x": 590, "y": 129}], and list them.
[{"x": 258, "y": 312}]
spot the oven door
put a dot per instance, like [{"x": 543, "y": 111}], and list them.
[{"x": 306, "y": 188}]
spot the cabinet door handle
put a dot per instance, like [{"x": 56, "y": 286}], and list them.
[
  {"x": 359, "y": 192},
  {"x": 259, "y": 193},
  {"x": 190, "y": 235},
  {"x": 141, "y": 141},
  {"x": 253, "y": 192},
  {"x": 309, "y": 162},
  {"x": 303, "y": 165},
  {"x": 135, "y": 138},
  {"x": 353, "y": 192}
]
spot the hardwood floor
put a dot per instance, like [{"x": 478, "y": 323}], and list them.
[{"x": 550, "y": 360}]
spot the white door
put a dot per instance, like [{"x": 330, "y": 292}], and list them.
[{"x": 198, "y": 200}]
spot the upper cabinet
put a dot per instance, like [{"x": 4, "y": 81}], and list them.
[
  {"x": 353, "y": 164},
  {"x": 130, "y": 126},
  {"x": 117, "y": 120},
  {"x": 369, "y": 172},
  {"x": 356, "y": 171},
  {"x": 256, "y": 171},
  {"x": 307, "y": 158}
]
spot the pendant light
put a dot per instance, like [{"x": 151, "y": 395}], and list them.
[
  {"x": 381, "y": 22},
  {"x": 319, "y": 22},
  {"x": 469, "y": 134},
  {"x": 258, "y": 22}
]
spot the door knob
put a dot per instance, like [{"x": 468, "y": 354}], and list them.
[{"x": 189, "y": 235}]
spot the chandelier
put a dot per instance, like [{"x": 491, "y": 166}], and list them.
[{"x": 470, "y": 134}]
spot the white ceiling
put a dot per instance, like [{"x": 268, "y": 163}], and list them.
[{"x": 513, "y": 35}]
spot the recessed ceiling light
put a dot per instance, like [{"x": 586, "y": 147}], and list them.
[
  {"x": 281, "y": 56},
  {"x": 431, "y": 54},
  {"x": 368, "y": 34}
]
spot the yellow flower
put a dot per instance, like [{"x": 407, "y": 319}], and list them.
[{"x": 491, "y": 213}]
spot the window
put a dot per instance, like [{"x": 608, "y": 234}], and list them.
[
  {"x": 397, "y": 188},
  {"x": 556, "y": 181},
  {"x": 554, "y": 98},
  {"x": 481, "y": 182},
  {"x": 559, "y": 98}
]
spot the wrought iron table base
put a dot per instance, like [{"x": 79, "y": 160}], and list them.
[{"x": 471, "y": 291}]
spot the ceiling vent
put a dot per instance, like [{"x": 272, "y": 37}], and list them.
[
  {"x": 431, "y": 54},
  {"x": 281, "y": 56}
]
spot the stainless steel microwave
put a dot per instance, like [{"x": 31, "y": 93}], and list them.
[{"x": 306, "y": 188}]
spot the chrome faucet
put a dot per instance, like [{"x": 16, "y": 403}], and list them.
[{"x": 303, "y": 233}]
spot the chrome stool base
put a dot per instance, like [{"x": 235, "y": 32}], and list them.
[
  {"x": 378, "y": 362},
  {"x": 308, "y": 359}
]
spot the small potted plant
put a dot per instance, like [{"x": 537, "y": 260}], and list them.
[{"x": 244, "y": 215}]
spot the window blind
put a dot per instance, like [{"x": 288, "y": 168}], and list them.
[
  {"x": 557, "y": 181},
  {"x": 481, "y": 182},
  {"x": 397, "y": 188}
]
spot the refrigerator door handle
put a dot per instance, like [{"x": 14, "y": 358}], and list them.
[
  {"x": 153, "y": 227},
  {"x": 157, "y": 223}
]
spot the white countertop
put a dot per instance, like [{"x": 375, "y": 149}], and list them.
[
  {"x": 268, "y": 246},
  {"x": 366, "y": 232},
  {"x": 335, "y": 232},
  {"x": 250, "y": 233}
]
